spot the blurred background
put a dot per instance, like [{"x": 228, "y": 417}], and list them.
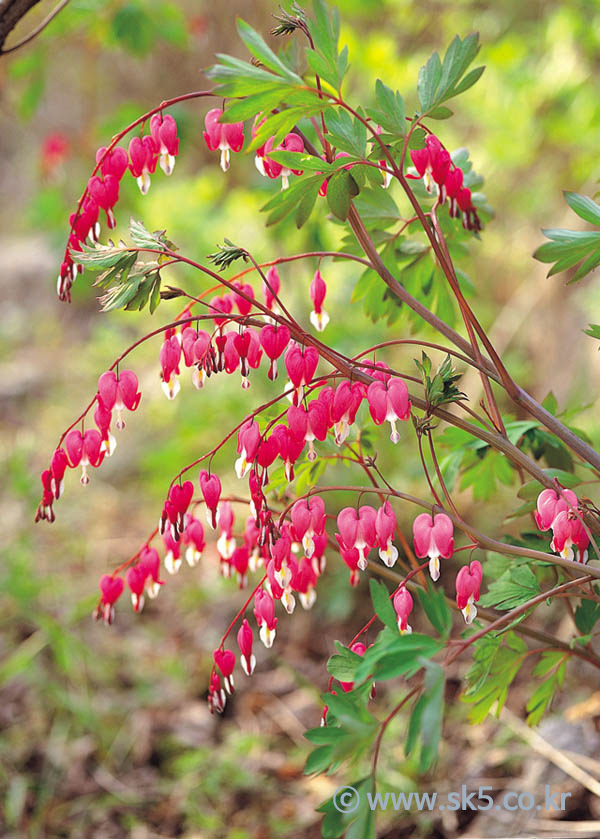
[{"x": 105, "y": 732}]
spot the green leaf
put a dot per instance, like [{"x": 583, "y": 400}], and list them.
[
  {"x": 260, "y": 50},
  {"x": 341, "y": 189},
  {"x": 435, "y": 606},
  {"x": 496, "y": 662},
  {"x": 302, "y": 161},
  {"x": 439, "y": 81},
  {"x": 287, "y": 200},
  {"x": 342, "y": 666},
  {"x": 541, "y": 699},
  {"x": 514, "y": 588},
  {"x": 395, "y": 655},
  {"x": 426, "y": 719},
  {"x": 587, "y": 614},
  {"x": 382, "y": 604},
  {"x": 391, "y": 114},
  {"x": 347, "y": 134},
  {"x": 429, "y": 79},
  {"x": 318, "y": 760},
  {"x": 440, "y": 112},
  {"x": 585, "y": 207}
]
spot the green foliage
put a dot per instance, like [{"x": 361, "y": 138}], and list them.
[
  {"x": 349, "y": 733},
  {"x": 129, "y": 282},
  {"x": 299, "y": 197},
  {"x": 434, "y": 604},
  {"x": 425, "y": 724},
  {"x": 513, "y": 588},
  {"x": 568, "y": 248},
  {"x": 390, "y": 112},
  {"x": 395, "y": 655},
  {"x": 342, "y": 188},
  {"x": 356, "y": 824},
  {"x": 552, "y": 665},
  {"x": 587, "y": 614},
  {"x": 326, "y": 59},
  {"x": 496, "y": 662},
  {"x": 439, "y": 389},
  {"x": 440, "y": 81},
  {"x": 382, "y": 604},
  {"x": 347, "y": 133},
  {"x": 226, "y": 255}
]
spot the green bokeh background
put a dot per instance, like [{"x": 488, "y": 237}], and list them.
[{"x": 104, "y": 732}]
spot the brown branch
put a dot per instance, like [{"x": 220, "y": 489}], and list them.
[{"x": 12, "y": 13}]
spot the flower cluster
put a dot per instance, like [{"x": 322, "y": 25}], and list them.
[
  {"x": 102, "y": 191},
  {"x": 434, "y": 164},
  {"x": 88, "y": 448},
  {"x": 559, "y": 512}
]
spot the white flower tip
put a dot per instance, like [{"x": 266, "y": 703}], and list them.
[
  {"x": 171, "y": 388},
  {"x": 267, "y": 636}
]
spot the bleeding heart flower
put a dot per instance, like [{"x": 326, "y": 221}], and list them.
[
  {"x": 264, "y": 611},
  {"x": 245, "y": 640},
  {"x": 114, "y": 162},
  {"x": 249, "y": 438},
  {"x": 385, "y": 529},
  {"x": 468, "y": 586},
  {"x": 347, "y": 399},
  {"x": 272, "y": 286},
  {"x": 170, "y": 356},
  {"x": 143, "y": 156},
  {"x": 434, "y": 538},
  {"x": 357, "y": 530},
  {"x": 223, "y": 136},
  {"x": 193, "y": 537},
  {"x": 308, "y": 520},
  {"x": 150, "y": 565},
  {"x": 318, "y": 317},
  {"x": 403, "y": 604},
  {"x": 389, "y": 402},
  {"x": 164, "y": 134},
  {"x": 291, "y": 142},
  {"x": 225, "y": 661},
  {"x": 105, "y": 193},
  {"x": 301, "y": 364},
  {"x": 111, "y": 589},
  {"x": 119, "y": 391},
  {"x": 274, "y": 339},
  {"x": 570, "y": 532},
  {"x": 136, "y": 580},
  {"x": 85, "y": 449},
  {"x": 210, "y": 486},
  {"x": 551, "y": 503}
]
